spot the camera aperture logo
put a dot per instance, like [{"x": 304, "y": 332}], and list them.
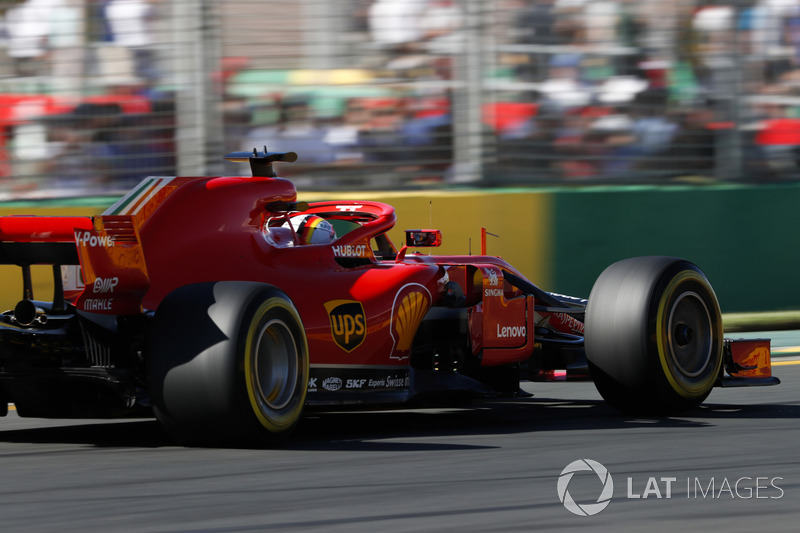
[{"x": 585, "y": 509}]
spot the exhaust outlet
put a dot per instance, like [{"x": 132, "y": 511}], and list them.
[{"x": 26, "y": 313}]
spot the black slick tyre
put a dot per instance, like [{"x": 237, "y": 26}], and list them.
[
  {"x": 653, "y": 335},
  {"x": 227, "y": 363}
]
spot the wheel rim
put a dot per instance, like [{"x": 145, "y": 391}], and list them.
[
  {"x": 276, "y": 365},
  {"x": 690, "y": 334}
]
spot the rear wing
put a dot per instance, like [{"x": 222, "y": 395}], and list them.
[
  {"x": 36, "y": 240},
  {"x": 107, "y": 248}
]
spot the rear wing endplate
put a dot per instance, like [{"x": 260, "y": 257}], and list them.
[{"x": 114, "y": 270}]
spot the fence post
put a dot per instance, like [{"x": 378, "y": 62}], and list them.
[
  {"x": 196, "y": 49},
  {"x": 467, "y": 97}
]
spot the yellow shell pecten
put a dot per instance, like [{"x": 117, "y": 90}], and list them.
[{"x": 410, "y": 313}]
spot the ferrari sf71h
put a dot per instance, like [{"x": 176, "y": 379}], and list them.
[{"x": 225, "y": 307}]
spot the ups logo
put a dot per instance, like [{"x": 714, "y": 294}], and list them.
[{"x": 348, "y": 323}]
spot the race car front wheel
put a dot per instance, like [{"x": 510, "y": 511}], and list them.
[
  {"x": 653, "y": 335},
  {"x": 227, "y": 362}
]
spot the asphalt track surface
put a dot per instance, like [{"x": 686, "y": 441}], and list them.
[{"x": 731, "y": 465}]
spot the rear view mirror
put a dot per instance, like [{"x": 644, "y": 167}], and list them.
[{"x": 423, "y": 237}]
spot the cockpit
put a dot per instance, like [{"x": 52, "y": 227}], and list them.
[{"x": 356, "y": 231}]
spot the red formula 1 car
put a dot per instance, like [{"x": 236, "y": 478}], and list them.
[{"x": 225, "y": 307}]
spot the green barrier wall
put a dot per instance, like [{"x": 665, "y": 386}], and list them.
[{"x": 745, "y": 238}]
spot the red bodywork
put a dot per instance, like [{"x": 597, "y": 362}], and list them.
[{"x": 356, "y": 309}]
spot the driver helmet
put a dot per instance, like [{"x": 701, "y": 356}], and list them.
[{"x": 311, "y": 229}]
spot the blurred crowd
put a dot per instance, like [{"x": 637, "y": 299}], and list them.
[
  {"x": 377, "y": 141},
  {"x": 97, "y": 121},
  {"x": 97, "y": 146},
  {"x": 613, "y": 90},
  {"x": 650, "y": 89},
  {"x": 70, "y": 40},
  {"x": 572, "y": 90}
]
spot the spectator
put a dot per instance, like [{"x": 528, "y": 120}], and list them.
[
  {"x": 80, "y": 157},
  {"x": 413, "y": 32},
  {"x": 343, "y": 138},
  {"x": 537, "y": 23},
  {"x": 530, "y": 154},
  {"x": 382, "y": 139},
  {"x": 130, "y": 24},
  {"x": 98, "y": 29},
  {"x": 394, "y": 24},
  {"x": 66, "y": 45},
  {"x": 295, "y": 131},
  {"x": 428, "y": 134},
  {"x": 692, "y": 151},
  {"x": 139, "y": 150},
  {"x": 27, "y": 29},
  {"x": 652, "y": 128}
]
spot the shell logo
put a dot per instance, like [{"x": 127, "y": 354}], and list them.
[{"x": 409, "y": 309}]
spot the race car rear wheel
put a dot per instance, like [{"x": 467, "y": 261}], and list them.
[
  {"x": 228, "y": 362},
  {"x": 653, "y": 335}
]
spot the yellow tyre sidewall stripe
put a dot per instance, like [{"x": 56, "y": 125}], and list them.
[
  {"x": 283, "y": 420},
  {"x": 692, "y": 390}
]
